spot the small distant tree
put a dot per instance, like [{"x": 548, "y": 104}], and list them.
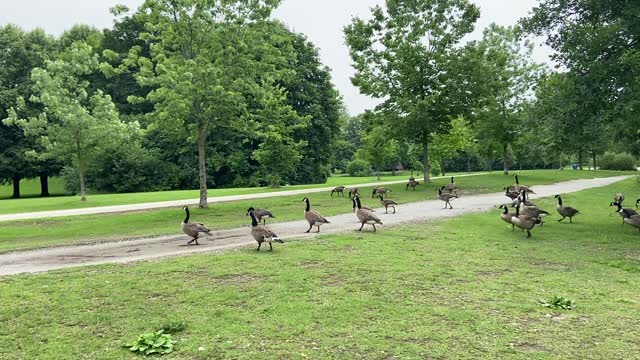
[
  {"x": 379, "y": 150},
  {"x": 445, "y": 146},
  {"x": 76, "y": 119}
]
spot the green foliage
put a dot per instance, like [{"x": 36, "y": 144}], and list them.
[
  {"x": 152, "y": 343},
  {"x": 617, "y": 161},
  {"x": 358, "y": 167},
  {"x": 408, "y": 54},
  {"x": 379, "y": 149},
  {"x": 558, "y": 302},
  {"x": 445, "y": 146}
]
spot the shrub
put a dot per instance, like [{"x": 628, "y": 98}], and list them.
[
  {"x": 358, "y": 167},
  {"x": 152, "y": 343},
  {"x": 617, "y": 161}
]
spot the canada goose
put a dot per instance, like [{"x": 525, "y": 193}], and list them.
[
  {"x": 353, "y": 192},
  {"x": 506, "y": 215},
  {"x": 619, "y": 198},
  {"x": 518, "y": 188},
  {"x": 313, "y": 217},
  {"x": 339, "y": 190},
  {"x": 412, "y": 183},
  {"x": 531, "y": 210},
  {"x": 261, "y": 233},
  {"x": 387, "y": 203},
  {"x": 565, "y": 211},
  {"x": 362, "y": 206},
  {"x": 510, "y": 194},
  {"x": 446, "y": 197},
  {"x": 381, "y": 190},
  {"x": 525, "y": 222},
  {"x": 452, "y": 187},
  {"x": 193, "y": 229},
  {"x": 365, "y": 216},
  {"x": 625, "y": 213},
  {"x": 261, "y": 214},
  {"x": 633, "y": 220},
  {"x": 637, "y": 201}
]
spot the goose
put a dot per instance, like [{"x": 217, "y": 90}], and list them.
[
  {"x": 365, "y": 216},
  {"x": 518, "y": 188},
  {"x": 510, "y": 194},
  {"x": 619, "y": 198},
  {"x": 381, "y": 191},
  {"x": 261, "y": 233},
  {"x": 362, "y": 206},
  {"x": 339, "y": 190},
  {"x": 525, "y": 222},
  {"x": 625, "y": 213},
  {"x": 193, "y": 229},
  {"x": 446, "y": 197},
  {"x": 261, "y": 214},
  {"x": 451, "y": 187},
  {"x": 353, "y": 192},
  {"x": 412, "y": 183},
  {"x": 313, "y": 217},
  {"x": 633, "y": 220},
  {"x": 531, "y": 210},
  {"x": 506, "y": 215},
  {"x": 637, "y": 201},
  {"x": 565, "y": 211},
  {"x": 387, "y": 203}
]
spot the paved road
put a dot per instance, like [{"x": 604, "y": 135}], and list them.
[
  {"x": 143, "y": 249},
  {"x": 177, "y": 203}
]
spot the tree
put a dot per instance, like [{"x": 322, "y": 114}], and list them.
[
  {"x": 379, "y": 150},
  {"x": 445, "y": 146},
  {"x": 75, "y": 120},
  {"x": 510, "y": 77},
  {"x": 408, "y": 54},
  {"x": 20, "y": 52},
  {"x": 209, "y": 60}
]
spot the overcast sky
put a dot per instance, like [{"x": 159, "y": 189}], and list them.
[{"x": 321, "y": 20}]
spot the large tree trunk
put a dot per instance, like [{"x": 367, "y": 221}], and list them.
[
  {"x": 505, "y": 159},
  {"x": 442, "y": 167},
  {"x": 580, "y": 159},
  {"x": 202, "y": 168},
  {"x": 83, "y": 192},
  {"x": 44, "y": 185},
  {"x": 425, "y": 161},
  {"x": 16, "y": 187}
]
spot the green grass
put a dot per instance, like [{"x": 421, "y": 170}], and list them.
[
  {"x": 30, "y": 188},
  {"x": 465, "y": 288},
  {"x": 28, "y": 234},
  {"x": 10, "y": 206}
]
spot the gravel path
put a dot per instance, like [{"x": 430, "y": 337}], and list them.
[
  {"x": 46, "y": 259},
  {"x": 178, "y": 203}
]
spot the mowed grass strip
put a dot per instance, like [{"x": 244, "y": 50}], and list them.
[
  {"x": 465, "y": 288},
  {"x": 29, "y": 234},
  {"x": 10, "y": 206}
]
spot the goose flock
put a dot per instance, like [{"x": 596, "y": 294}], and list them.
[{"x": 525, "y": 217}]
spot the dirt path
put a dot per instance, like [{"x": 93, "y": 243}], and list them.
[
  {"x": 177, "y": 203},
  {"x": 134, "y": 250}
]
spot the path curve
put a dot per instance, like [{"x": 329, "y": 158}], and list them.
[
  {"x": 40, "y": 260},
  {"x": 177, "y": 203}
]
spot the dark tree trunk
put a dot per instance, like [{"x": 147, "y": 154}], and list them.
[
  {"x": 593, "y": 155},
  {"x": 83, "y": 191},
  {"x": 468, "y": 164},
  {"x": 442, "y": 167},
  {"x": 16, "y": 187},
  {"x": 44, "y": 185},
  {"x": 505, "y": 159},
  {"x": 202, "y": 168},
  {"x": 580, "y": 159},
  {"x": 425, "y": 161}
]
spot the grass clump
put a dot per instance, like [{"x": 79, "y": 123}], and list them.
[
  {"x": 558, "y": 302},
  {"x": 152, "y": 343}
]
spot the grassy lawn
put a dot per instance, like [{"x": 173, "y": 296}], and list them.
[
  {"x": 82, "y": 229},
  {"x": 31, "y": 188},
  {"x": 465, "y": 288},
  {"x": 10, "y": 206}
]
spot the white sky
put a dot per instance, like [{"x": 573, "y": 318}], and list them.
[{"x": 321, "y": 20}]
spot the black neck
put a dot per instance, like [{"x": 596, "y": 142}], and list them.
[
  {"x": 186, "y": 219},
  {"x": 517, "y": 211},
  {"x": 308, "y": 205},
  {"x": 353, "y": 200},
  {"x": 358, "y": 203},
  {"x": 619, "y": 206},
  {"x": 505, "y": 210},
  {"x": 559, "y": 201},
  {"x": 254, "y": 222},
  {"x": 517, "y": 182},
  {"x": 452, "y": 179}
]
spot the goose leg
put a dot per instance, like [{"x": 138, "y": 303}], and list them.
[
  {"x": 361, "y": 226},
  {"x": 528, "y": 233},
  {"x": 563, "y": 219},
  {"x": 570, "y": 220},
  {"x": 394, "y": 210},
  {"x": 385, "y": 210},
  {"x": 264, "y": 221},
  {"x": 318, "y": 226},
  {"x": 259, "y": 244},
  {"x": 513, "y": 227},
  {"x": 374, "y": 227},
  {"x": 270, "y": 247},
  {"x": 310, "y": 226}
]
